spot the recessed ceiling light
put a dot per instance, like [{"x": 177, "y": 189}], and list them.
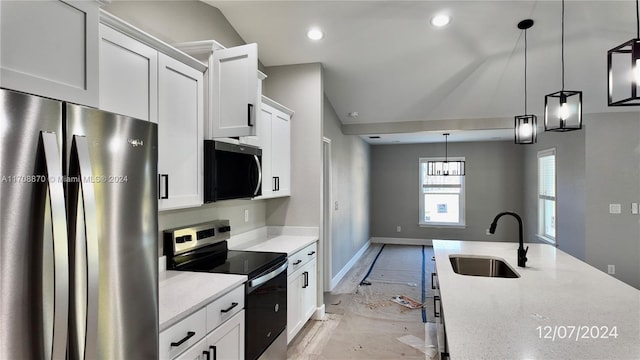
[
  {"x": 315, "y": 34},
  {"x": 440, "y": 20}
]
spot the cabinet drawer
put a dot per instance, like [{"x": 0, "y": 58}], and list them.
[
  {"x": 300, "y": 258},
  {"x": 183, "y": 334},
  {"x": 225, "y": 307}
]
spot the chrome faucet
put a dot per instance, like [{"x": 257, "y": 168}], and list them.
[{"x": 522, "y": 252}]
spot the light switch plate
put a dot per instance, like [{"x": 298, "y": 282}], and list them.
[
  {"x": 634, "y": 208},
  {"x": 615, "y": 209}
]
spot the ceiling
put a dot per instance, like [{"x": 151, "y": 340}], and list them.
[{"x": 384, "y": 60}]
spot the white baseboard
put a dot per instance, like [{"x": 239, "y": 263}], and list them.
[
  {"x": 400, "y": 241},
  {"x": 318, "y": 314},
  {"x": 336, "y": 279}
]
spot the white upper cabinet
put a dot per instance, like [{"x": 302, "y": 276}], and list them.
[
  {"x": 128, "y": 76},
  {"x": 145, "y": 78},
  {"x": 234, "y": 91},
  {"x": 180, "y": 134},
  {"x": 233, "y": 87},
  {"x": 50, "y": 48},
  {"x": 274, "y": 138}
]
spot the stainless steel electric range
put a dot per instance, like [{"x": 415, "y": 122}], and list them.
[{"x": 203, "y": 247}]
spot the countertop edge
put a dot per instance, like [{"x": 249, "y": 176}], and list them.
[{"x": 240, "y": 279}]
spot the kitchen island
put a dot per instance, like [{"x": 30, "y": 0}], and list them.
[{"x": 559, "y": 307}]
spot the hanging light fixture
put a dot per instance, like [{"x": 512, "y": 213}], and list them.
[
  {"x": 623, "y": 70},
  {"x": 526, "y": 126},
  {"x": 563, "y": 109},
  {"x": 446, "y": 167}
]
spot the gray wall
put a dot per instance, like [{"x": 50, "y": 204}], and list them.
[
  {"x": 177, "y": 21},
  {"x": 613, "y": 177},
  {"x": 494, "y": 176},
  {"x": 299, "y": 87},
  {"x": 350, "y": 189},
  {"x": 570, "y": 189},
  {"x": 181, "y": 21}
]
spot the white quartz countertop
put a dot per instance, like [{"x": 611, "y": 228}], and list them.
[
  {"x": 182, "y": 292},
  {"x": 288, "y": 244},
  {"x": 531, "y": 317}
]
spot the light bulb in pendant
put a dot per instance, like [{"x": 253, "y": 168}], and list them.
[
  {"x": 525, "y": 130},
  {"x": 637, "y": 72},
  {"x": 563, "y": 112}
]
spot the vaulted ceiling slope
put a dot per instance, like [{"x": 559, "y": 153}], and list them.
[{"x": 386, "y": 61}]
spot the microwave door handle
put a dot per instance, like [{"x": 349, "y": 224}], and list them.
[
  {"x": 55, "y": 207},
  {"x": 257, "y": 160},
  {"x": 87, "y": 238}
]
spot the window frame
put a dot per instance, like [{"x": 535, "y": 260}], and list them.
[
  {"x": 422, "y": 161},
  {"x": 541, "y": 198}
]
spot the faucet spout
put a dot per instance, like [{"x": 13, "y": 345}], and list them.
[{"x": 522, "y": 252}]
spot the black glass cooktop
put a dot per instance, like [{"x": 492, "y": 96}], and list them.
[
  {"x": 250, "y": 263},
  {"x": 217, "y": 259}
]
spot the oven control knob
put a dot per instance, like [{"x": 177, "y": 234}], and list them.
[{"x": 277, "y": 307}]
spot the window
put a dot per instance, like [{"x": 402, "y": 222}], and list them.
[
  {"x": 441, "y": 197},
  {"x": 547, "y": 195}
]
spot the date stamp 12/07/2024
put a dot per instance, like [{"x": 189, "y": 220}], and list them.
[{"x": 576, "y": 332}]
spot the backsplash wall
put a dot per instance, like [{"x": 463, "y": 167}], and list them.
[{"x": 233, "y": 210}]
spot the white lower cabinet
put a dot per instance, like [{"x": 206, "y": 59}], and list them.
[
  {"x": 227, "y": 341},
  {"x": 214, "y": 332},
  {"x": 224, "y": 343},
  {"x": 301, "y": 289}
]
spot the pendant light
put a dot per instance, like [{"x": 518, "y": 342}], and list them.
[
  {"x": 526, "y": 126},
  {"x": 623, "y": 70},
  {"x": 563, "y": 109},
  {"x": 446, "y": 167}
]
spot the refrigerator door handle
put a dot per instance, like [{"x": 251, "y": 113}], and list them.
[
  {"x": 55, "y": 207},
  {"x": 86, "y": 269}
]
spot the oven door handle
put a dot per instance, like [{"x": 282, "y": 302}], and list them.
[{"x": 270, "y": 275}]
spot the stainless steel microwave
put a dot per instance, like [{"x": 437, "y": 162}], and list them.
[{"x": 231, "y": 171}]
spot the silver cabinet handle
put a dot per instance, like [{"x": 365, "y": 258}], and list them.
[
  {"x": 55, "y": 206},
  {"x": 85, "y": 260},
  {"x": 257, "y": 160}
]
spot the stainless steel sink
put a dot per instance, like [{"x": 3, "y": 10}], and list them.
[{"x": 481, "y": 266}]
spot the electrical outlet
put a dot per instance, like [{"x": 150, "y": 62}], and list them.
[
  {"x": 335, "y": 205},
  {"x": 399, "y": 228},
  {"x": 615, "y": 209},
  {"x": 634, "y": 208},
  {"x": 611, "y": 269},
  {"x": 246, "y": 215}
]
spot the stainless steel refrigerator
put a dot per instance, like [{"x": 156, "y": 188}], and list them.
[{"x": 78, "y": 232}]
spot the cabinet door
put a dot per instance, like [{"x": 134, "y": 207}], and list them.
[
  {"x": 264, "y": 142},
  {"x": 197, "y": 352},
  {"x": 226, "y": 342},
  {"x": 234, "y": 91},
  {"x": 180, "y": 137},
  {"x": 309, "y": 291},
  {"x": 50, "y": 48},
  {"x": 294, "y": 295},
  {"x": 281, "y": 153},
  {"x": 128, "y": 76}
]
